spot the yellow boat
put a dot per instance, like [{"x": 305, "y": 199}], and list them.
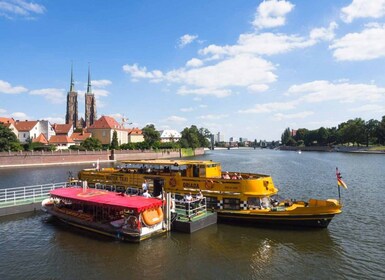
[{"x": 247, "y": 198}]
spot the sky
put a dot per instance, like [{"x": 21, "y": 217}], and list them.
[{"x": 242, "y": 68}]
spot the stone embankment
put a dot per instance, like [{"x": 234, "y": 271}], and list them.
[
  {"x": 341, "y": 149},
  {"x": 18, "y": 159}
]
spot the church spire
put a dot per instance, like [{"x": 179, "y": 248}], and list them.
[
  {"x": 89, "y": 80},
  {"x": 72, "y": 86}
]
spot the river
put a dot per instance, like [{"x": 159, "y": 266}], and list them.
[{"x": 33, "y": 246}]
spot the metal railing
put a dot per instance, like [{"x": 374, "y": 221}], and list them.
[
  {"x": 27, "y": 194},
  {"x": 189, "y": 210}
]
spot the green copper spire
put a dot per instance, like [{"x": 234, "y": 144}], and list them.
[
  {"x": 89, "y": 80},
  {"x": 72, "y": 86}
]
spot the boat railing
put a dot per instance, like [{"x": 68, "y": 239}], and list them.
[
  {"x": 28, "y": 194},
  {"x": 190, "y": 209}
]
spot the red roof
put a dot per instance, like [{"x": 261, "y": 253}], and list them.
[
  {"x": 135, "y": 131},
  {"x": 25, "y": 125},
  {"x": 80, "y": 136},
  {"x": 62, "y": 128},
  {"x": 107, "y": 122},
  {"x": 106, "y": 198},
  {"x": 6, "y": 120},
  {"x": 60, "y": 139},
  {"x": 40, "y": 139}
]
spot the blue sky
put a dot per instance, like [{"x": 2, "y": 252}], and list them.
[{"x": 243, "y": 68}]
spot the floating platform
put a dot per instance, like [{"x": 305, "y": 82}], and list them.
[{"x": 196, "y": 223}]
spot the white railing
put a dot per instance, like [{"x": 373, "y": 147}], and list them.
[
  {"x": 27, "y": 194},
  {"x": 189, "y": 210}
]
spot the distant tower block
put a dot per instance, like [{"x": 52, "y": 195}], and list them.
[
  {"x": 90, "y": 104},
  {"x": 72, "y": 104}
]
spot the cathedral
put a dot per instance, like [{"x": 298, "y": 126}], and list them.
[{"x": 72, "y": 116}]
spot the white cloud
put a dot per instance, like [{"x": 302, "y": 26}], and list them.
[
  {"x": 6, "y": 87},
  {"x": 20, "y": 116},
  {"x": 363, "y": 9},
  {"x": 53, "y": 120},
  {"x": 369, "y": 108},
  {"x": 270, "y": 43},
  {"x": 175, "y": 119},
  {"x": 324, "y": 34},
  {"x": 258, "y": 88},
  {"x": 216, "y": 79},
  {"x": 20, "y": 8},
  {"x": 101, "y": 83},
  {"x": 100, "y": 92},
  {"x": 54, "y": 95},
  {"x": 272, "y": 13},
  {"x": 194, "y": 62},
  {"x": 2, "y": 111},
  {"x": 300, "y": 115},
  {"x": 321, "y": 91},
  {"x": 368, "y": 44},
  {"x": 186, "y": 39},
  {"x": 136, "y": 72},
  {"x": 204, "y": 91},
  {"x": 213, "y": 117},
  {"x": 269, "y": 107},
  {"x": 190, "y": 109}
]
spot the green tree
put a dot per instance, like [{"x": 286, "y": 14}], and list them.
[
  {"x": 204, "y": 136},
  {"x": 322, "y": 136},
  {"x": 91, "y": 144},
  {"x": 151, "y": 135},
  {"x": 114, "y": 143},
  {"x": 371, "y": 127},
  {"x": 190, "y": 138},
  {"x": 286, "y": 135},
  {"x": 380, "y": 133},
  {"x": 8, "y": 140}
]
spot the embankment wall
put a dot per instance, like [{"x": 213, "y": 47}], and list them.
[{"x": 14, "y": 159}]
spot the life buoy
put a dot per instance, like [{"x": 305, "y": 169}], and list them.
[
  {"x": 209, "y": 184},
  {"x": 133, "y": 223},
  {"x": 152, "y": 217},
  {"x": 172, "y": 182}
]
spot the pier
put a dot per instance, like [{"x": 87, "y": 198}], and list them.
[{"x": 25, "y": 199}]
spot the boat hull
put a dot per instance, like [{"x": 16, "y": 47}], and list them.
[
  {"x": 305, "y": 221},
  {"x": 103, "y": 229}
]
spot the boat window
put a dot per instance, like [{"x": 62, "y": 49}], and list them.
[
  {"x": 254, "y": 202},
  {"x": 202, "y": 171},
  {"x": 231, "y": 204},
  {"x": 212, "y": 202}
]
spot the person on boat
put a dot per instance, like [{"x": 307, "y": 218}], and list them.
[
  {"x": 226, "y": 175},
  {"x": 235, "y": 176},
  {"x": 145, "y": 186},
  {"x": 199, "y": 195},
  {"x": 146, "y": 194},
  {"x": 240, "y": 177},
  {"x": 188, "y": 199}
]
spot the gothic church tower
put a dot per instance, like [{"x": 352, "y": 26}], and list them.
[
  {"x": 90, "y": 103},
  {"x": 72, "y": 104}
]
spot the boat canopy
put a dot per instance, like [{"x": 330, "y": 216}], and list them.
[
  {"x": 106, "y": 198},
  {"x": 170, "y": 162}
]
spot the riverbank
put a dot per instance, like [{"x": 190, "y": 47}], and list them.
[
  {"x": 341, "y": 149},
  {"x": 41, "y": 158}
]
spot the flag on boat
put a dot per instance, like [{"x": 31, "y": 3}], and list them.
[{"x": 339, "y": 180}]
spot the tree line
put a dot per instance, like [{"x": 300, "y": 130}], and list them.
[
  {"x": 356, "y": 132},
  {"x": 190, "y": 138}
]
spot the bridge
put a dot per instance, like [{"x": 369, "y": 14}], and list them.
[{"x": 25, "y": 199}]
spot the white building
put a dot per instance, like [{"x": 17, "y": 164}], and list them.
[
  {"x": 169, "y": 135},
  {"x": 32, "y": 129}
]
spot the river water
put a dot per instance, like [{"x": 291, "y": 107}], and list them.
[{"x": 33, "y": 246}]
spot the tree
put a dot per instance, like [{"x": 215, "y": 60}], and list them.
[
  {"x": 322, "y": 136},
  {"x": 190, "y": 138},
  {"x": 8, "y": 140},
  {"x": 381, "y": 131},
  {"x": 114, "y": 142},
  {"x": 371, "y": 127},
  {"x": 285, "y": 136},
  {"x": 92, "y": 144},
  {"x": 204, "y": 135},
  {"x": 151, "y": 135}
]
